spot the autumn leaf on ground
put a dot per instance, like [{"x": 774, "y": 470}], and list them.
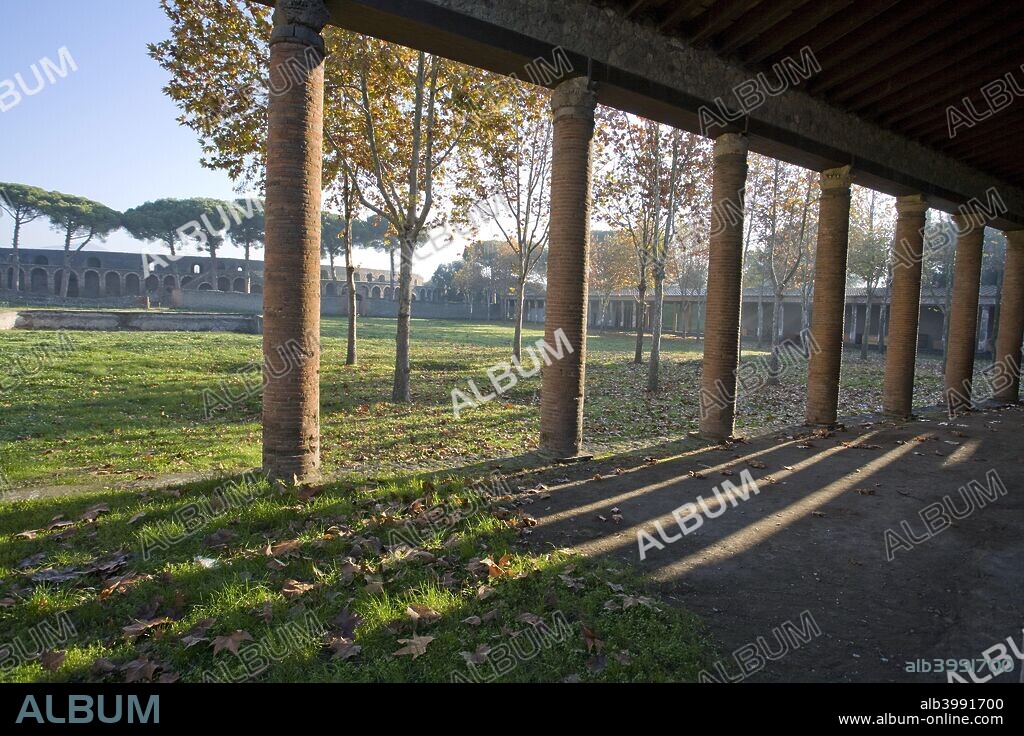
[
  {"x": 231, "y": 641},
  {"x": 135, "y": 518},
  {"x": 374, "y": 584},
  {"x": 219, "y": 538},
  {"x": 197, "y": 633},
  {"x": 416, "y": 646},
  {"x": 140, "y": 627},
  {"x": 295, "y": 588},
  {"x": 529, "y": 618},
  {"x": 343, "y": 648},
  {"x": 347, "y": 623},
  {"x": 122, "y": 583},
  {"x": 92, "y": 512},
  {"x": 418, "y": 612},
  {"x": 477, "y": 657},
  {"x": 282, "y": 549},
  {"x": 573, "y": 583},
  {"x": 472, "y": 621},
  {"x": 52, "y": 660},
  {"x": 484, "y": 592},
  {"x": 102, "y": 666},
  {"x": 348, "y": 570},
  {"x": 139, "y": 670},
  {"x": 756, "y": 464}
]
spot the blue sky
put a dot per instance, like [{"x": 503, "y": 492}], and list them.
[{"x": 105, "y": 131}]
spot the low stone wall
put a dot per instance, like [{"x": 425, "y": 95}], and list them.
[
  {"x": 218, "y": 301},
  {"x": 334, "y": 306},
  {"x": 10, "y": 297},
  {"x": 131, "y": 321}
]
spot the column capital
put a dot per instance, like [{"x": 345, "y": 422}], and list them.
[
  {"x": 839, "y": 178},
  {"x": 1015, "y": 238},
  {"x": 966, "y": 221},
  {"x": 911, "y": 205},
  {"x": 300, "y": 21},
  {"x": 729, "y": 144},
  {"x": 574, "y": 99}
]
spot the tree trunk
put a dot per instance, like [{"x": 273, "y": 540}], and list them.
[
  {"x": 16, "y": 257},
  {"x": 656, "y": 319},
  {"x": 330, "y": 262},
  {"x": 773, "y": 362},
  {"x": 67, "y": 265},
  {"x": 350, "y": 280},
  {"x": 400, "y": 392},
  {"x": 883, "y": 324},
  {"x": 641, "y": 308},
  {"x": 248, "y": 270},
  {"x": 391, "y": 255},
  {"x": 760, "y": 320},
  {"x": 214, "y": 278},
  {"x": 867, "y": 326},
  {"x": 517, "y": 338}
]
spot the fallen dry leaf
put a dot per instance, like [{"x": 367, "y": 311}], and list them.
[
  {"x": 418, "y": 612},
  {"x": 282, "y": 549},
  {"x": 295, "y": 588},
  {"x": 343, "y": 648},
  {"x": 231, "y": 641},
  {"x": 140, "y": 627},
  {"x": 416, "y": 646},
  {"x": 477, "y": 657},
  {"x": 139, "y": 670},
  {"x": 92, "y": 512}
]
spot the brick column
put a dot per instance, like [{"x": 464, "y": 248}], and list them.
[
  {"x": 829, "y": 297},
  {"x": 963, "y": 313},
  {"x": 724, "y": 291},
  {"x": 1011, "y": 321},
  {"x": 561, "y": 423},
  {"x": 291, "y": 290},
  {"x": 904, "y": 306}
]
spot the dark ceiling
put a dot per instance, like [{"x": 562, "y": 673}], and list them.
[{"x": 897, "y": 63}]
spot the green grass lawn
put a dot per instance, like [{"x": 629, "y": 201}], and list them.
[
  {"x": 131, "y": 580},
  {"x": 130, "y": 406}
]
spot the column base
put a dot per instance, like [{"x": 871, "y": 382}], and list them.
[
  {"x": 560, "y": 458},
  {"x": 832, "y": 426}
]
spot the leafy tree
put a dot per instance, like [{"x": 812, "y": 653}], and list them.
[
  {"x": 444, "y": 278},
  {"x": 24, "y": 204},
  {"x": 159, "y": 221},
  {"x": 611, "y": 267},
  {"x": 78, "y": 219},
  {"x": 423, "y": 116},
  {"x": 248, "y": 232},
  {"x": 629, "y": 195},
  {"x": 487, "y": 272},
  {"x": 417, "y": 119},
  {"x": 872, "y": 228},
  {"x": 514, "y": 189}
]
